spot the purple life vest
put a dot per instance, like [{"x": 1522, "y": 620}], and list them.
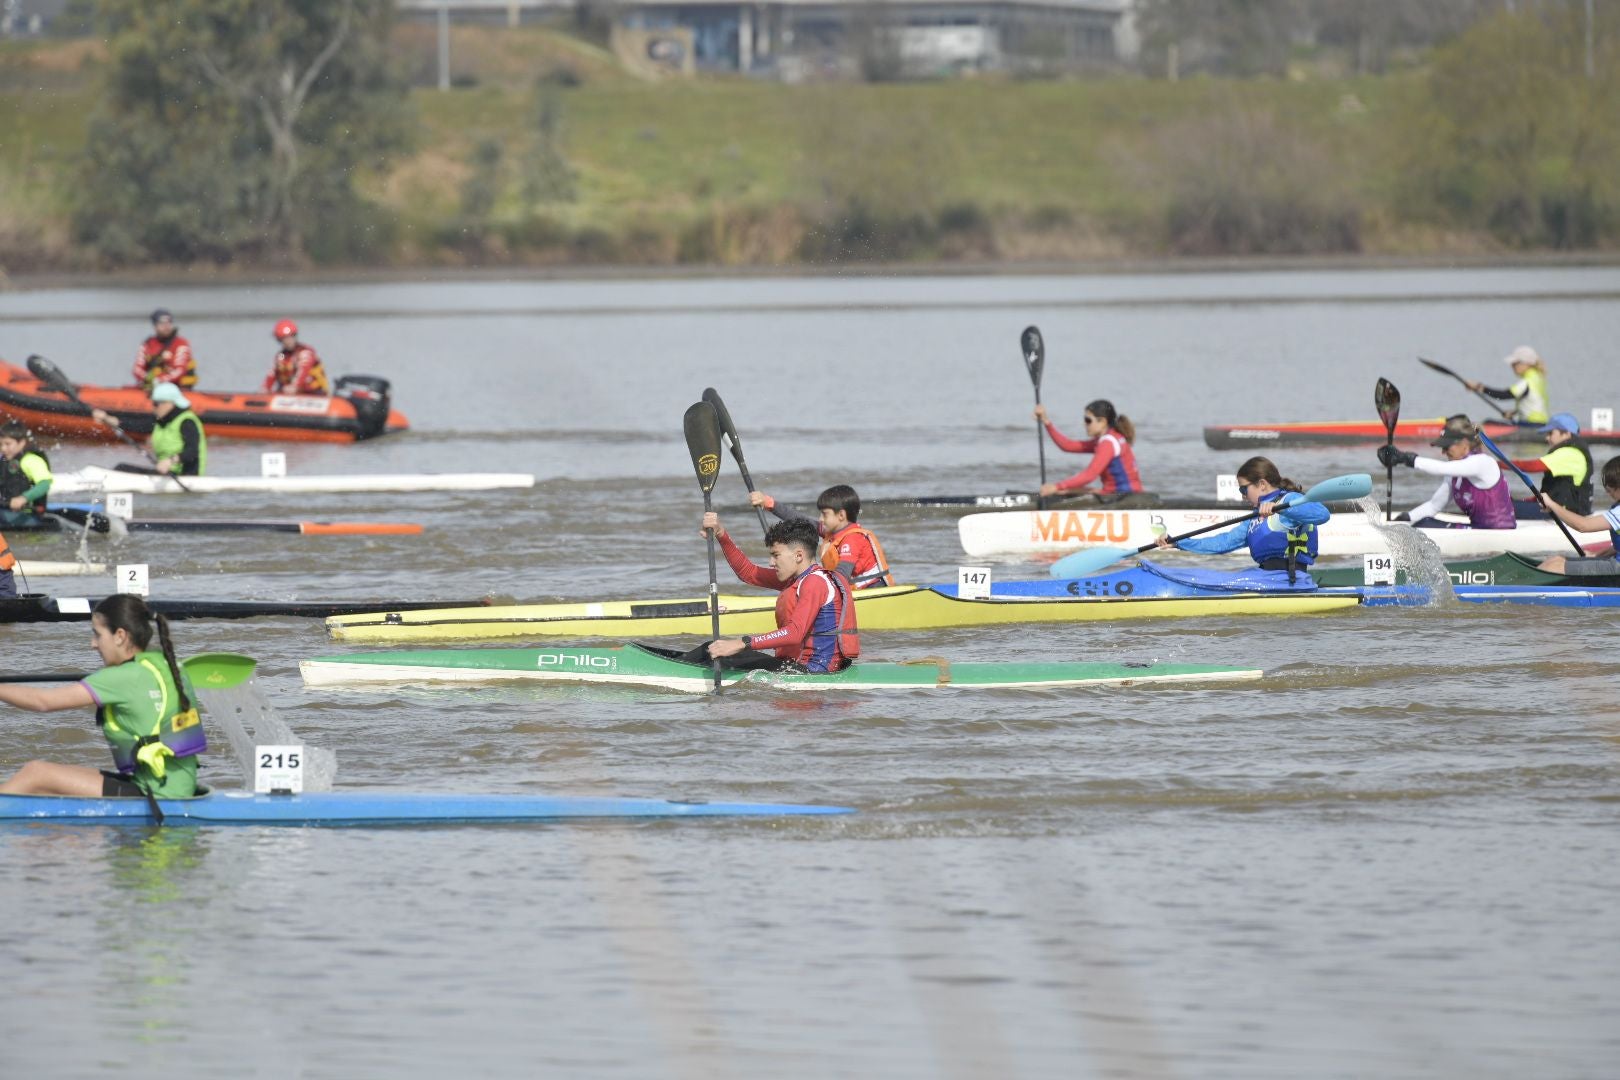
[{"x": 1487, "y": 508}]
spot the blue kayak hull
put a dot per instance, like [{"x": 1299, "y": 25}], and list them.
[
  {"x": 1151, "y": 580},
  {"x": 373, "y": 808}
]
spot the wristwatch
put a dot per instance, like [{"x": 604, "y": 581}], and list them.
[{"x": 748, "y": 641}]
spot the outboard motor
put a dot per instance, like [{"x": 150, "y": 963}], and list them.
[{"x": 369, "y": 396}]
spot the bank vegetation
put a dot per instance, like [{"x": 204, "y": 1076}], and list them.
[{"x": 184, "y": 135}]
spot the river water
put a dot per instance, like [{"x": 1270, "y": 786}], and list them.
[{"x": 1396, "y": 856}]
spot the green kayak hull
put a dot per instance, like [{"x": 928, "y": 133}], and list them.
[
  {"x": 1508, "y": 569},
  {"x": 640, "y": 665}
]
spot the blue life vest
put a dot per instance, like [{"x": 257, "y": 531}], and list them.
[{"x": 1272, "y": 538}]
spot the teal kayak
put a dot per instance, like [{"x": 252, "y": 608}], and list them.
[
  {"x": 644, "y": 665},
  {"x": 374, "y": 808}
]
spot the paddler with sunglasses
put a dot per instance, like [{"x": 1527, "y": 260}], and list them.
[
  {"x": 1108, "y": 439},
  {"x": 1282, "y": 536}
]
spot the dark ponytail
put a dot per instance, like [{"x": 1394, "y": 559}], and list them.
[
  {"x": 129, "y": 613},
  {"x": 1104, "y": 408}
]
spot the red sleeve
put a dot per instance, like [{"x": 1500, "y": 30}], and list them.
[
  {"x": 1073, "y": 446},
  {"x": 178, "y": 359},
  {"x": 1105, "y": 454},
  {"x": 812, "y": 594},
  {"x": 745, "y": 569},
  {"x": 1533, "y": 465}
]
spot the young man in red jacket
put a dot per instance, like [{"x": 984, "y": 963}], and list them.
[{"x": 815, "y": 613}]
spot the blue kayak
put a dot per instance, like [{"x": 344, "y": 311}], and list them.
[
  {"x": 373, "y": 808},
  {"x": 1152, "y": 580}
]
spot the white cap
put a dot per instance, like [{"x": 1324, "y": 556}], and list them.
[{"x": 1524, "y": 354}]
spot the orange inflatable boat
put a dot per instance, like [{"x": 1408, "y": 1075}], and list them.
[{"x": 358, "y": 409}]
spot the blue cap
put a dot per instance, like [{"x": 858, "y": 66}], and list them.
[{"x": 1562, "y": 422}]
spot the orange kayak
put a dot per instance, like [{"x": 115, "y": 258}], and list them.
[{"x": 359, "y": 409}]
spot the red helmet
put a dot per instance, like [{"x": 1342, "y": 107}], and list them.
[{"x": 285, "y": 327}]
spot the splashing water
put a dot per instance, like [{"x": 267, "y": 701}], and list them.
[
  {"x": 1414, "y": 553},
  {"x": 233, "y": 707}
]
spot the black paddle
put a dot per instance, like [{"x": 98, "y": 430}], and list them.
[
  {"x": 1486, "y": 398},
  {"x": 712, "y": 396},
  {"x": 702, "y": 425},
  {"x": 1033, "y": 347},
  {"x": 48, "y": 372},
  {"x": 1387, "y": 399},
  {"x": 1504, "y": 459}
]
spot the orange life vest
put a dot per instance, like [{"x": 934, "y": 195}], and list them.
[
  {"x": 880, "y": 574},
  {"x": 8, "y": 561}
]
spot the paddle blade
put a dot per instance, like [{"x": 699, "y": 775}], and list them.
[
  {"x": 712, "y": 396},
  {"x": 1441, "y": 368},
  {"x": 1088, "y": 561},
  {"x": 1388, "y": 401},
  {"x": 219, "y": 671},
  {"x": 48, "y": 373},
  {"x": 702, "y": 425},
  {"x": 1341, "y": 488},
  {"x": 1034, "y": 349}
]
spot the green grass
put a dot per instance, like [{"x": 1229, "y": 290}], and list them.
[{"x": 666, "y": 158}]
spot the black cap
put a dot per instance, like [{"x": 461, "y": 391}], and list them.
[{"x": 161, "y": 313}]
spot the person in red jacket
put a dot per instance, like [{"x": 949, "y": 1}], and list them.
[
  {"x": 165, "y": 356},
  {"x": 815, "y": 613},
  {"x": 296, "y": 369},
  {"x": 1108, "y": 438}
]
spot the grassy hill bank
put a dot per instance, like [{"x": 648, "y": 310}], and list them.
[{"x": 546, "y": 152}]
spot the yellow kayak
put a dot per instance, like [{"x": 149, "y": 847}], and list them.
[{"x": 900, "y": 607}]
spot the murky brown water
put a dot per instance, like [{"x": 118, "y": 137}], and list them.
[{"x": 1397, "y": 856}]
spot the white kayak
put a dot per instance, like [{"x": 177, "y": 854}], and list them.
[
  {"x": 33, "y": 568},
  {"x": 1012, "y": 534},
  {"x": 94, "y": 478}
]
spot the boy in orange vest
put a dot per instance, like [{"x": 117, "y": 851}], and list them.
[{"x": 847, "y": 547}]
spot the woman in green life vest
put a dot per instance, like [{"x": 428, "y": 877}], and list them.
[
  {"x": 1529, "y": 392},
  {"x": 179, "y": 445},
  {"x": 178, "y": 441},
  {"x": 144, "y": 705}
]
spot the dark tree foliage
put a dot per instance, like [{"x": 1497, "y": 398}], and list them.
[{"x": 232, "y": 129}]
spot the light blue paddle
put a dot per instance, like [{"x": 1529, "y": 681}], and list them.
[{"x": 1090, "y": 560}]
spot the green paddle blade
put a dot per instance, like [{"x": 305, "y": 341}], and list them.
[
  {"x": 702, "y": 425},
  {"x": 219, "y": 671}
]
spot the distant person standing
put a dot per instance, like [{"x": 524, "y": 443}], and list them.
[
  {"x": 165, "y": 357},
  {"x": 296, "y": 369},
  {"x": 1530, "y": 392}
]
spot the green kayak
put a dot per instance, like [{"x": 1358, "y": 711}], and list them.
[
  {"x": 642, "y": 665},
  {"x": 1508, "y": 569}
]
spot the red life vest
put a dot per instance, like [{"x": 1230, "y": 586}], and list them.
[
  {"x": 165, "y": 360},
  {"x": 297, "y": 371}
]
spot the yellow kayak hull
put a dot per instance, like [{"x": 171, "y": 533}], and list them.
[{"x": 901, "y": 607}]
